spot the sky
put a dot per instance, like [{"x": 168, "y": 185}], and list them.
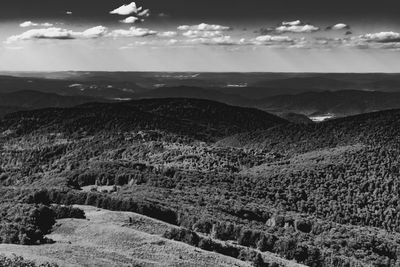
[{"x": 209, "y": 36}]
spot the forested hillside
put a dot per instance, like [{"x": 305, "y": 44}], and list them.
[{"x": 236, "y": 181}]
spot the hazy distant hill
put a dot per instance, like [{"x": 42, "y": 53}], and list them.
[
  {"x": 94, "y": 88},
  {"x": 36, "y": 100},
  {"x": 29, "y": 100},
  {"x": 339, "y": 103},
  {"x": 279, "y": 93},
  {"x": 195, "y": 92}
]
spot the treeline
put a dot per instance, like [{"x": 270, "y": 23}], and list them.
[{"x": 104, "y": 201}]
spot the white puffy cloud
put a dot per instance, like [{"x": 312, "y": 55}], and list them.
[
  {"x": 202, "y": 34},
  {"x": 338, "y": 27},
  {"x": 132, "y": 32},
  {"x": 130, "y": 20},
  {"x": 381, "y": 37},
  {"x": 27, "y": 24},
  {"x": 49, "y": 33},
  {"x": 126, "y": 10},
  {"x": 58, "y": 33},
  {"x": 168, "y": 34},
  {"x": 204, "y": 27},
  {"x": 307, "y": 28},
  {"x": 292, "y": 23},
  {"x": 296, "y": 26}
]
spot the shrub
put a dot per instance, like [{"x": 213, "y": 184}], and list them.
[{"x": 62, "y": 212}]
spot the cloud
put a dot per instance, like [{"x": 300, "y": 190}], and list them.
[
  {"x": 126, "y": 10},
  {"x": 27, "y": 24},
  {"x": 338, "y": 27},
  {"x": 202, "y": 34},
  {"x": 204, "y": 27},
  {"x": 263, "y": 39},
  {"x": 168, "y": 34},
  {"x": 154, "y": 43},
  {"x": 58, "y": 34},
  {"x": 381, "y": 37},
  {"x": 292, "y": 23},
  {"x": 145, "y": 13},
  {"x": 297, "y": 28},
  {"x": 380, "y": 40},
  {"x": 221, "y": 40},
  {"x": 50, "y": 33},
  {"x": 132, "y": 32},
  {"x": 94, "y": 32},
  {"x": 130, "y": 20}
]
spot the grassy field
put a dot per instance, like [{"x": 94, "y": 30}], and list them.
[{"x": 109, "y": 238}]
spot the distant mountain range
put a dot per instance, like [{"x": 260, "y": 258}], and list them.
[
  {"x": 30, "y": 100},
  {"x": 339, "y": 103},
  {"x": 317, "y": 96}
]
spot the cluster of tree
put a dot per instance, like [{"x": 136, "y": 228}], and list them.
[
  {"x": 238, "y": 252},
  {"x": 104, "y": 201},
  {"x": 18, "y": 261},
  {"x": 25, "y": 224},
  {"x": 63, "y": 212}
]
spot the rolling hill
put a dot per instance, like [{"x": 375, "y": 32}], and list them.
[{"x": 201, "y": 119}]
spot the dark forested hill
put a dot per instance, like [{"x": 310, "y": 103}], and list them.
[
  {"x": 372, "y": 128},
  {"x": 202, "y": 119}
]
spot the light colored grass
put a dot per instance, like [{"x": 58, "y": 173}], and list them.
[
  {"x": 114, "y": 238},
  {"x": 107, "y": 239}
]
